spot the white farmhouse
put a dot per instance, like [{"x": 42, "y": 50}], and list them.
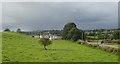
[{"x": 51, "y": 37}]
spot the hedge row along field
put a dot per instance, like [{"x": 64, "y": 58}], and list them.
[
  {"x": 21, "y": 48},
  {"x": 105, "y": 47}
]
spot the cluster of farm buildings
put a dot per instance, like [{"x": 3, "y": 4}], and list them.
[{"x": 50, "y": 36}]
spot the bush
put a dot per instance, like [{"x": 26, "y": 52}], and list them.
[
  {"x": 7, "y": 30},
  {"x": 45, "y": 42}
]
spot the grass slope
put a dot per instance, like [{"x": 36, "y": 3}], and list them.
[
  {"x": 0, "y": 47},
  {"x": 21, "y": 48}
]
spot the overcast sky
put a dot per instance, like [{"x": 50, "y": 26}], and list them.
[{"x": 47, "y": 15}]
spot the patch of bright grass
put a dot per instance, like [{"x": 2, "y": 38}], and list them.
[{"x": 21, "y": 48}]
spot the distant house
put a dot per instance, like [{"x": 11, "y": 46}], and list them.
[
  {"x": 55, "y": 37},
  {"x": 44, "y": 36},
  {"x": 51, "y": 37}
]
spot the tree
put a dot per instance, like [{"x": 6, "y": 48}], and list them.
[
  {"x": 106, "y": 36},
  {"x": 66, "y": 29},
  {"x": 18, "y": 30},
  {"x": 45, "y": 42},
  {"x": 83, "y": 36},
  {"x": 101, "y": 36},
  {"x": 71, "y": 32},
  {"x": 116, "y": 34},
  {"x": 74, "y": 34},
  {"x": 7, "y": 30}
]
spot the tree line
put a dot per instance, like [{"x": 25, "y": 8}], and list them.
[{"x": 71, "y": 32}]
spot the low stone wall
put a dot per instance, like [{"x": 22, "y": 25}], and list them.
[
  {"x": 112, "y": 41},
  {"x": 103, "y": 47},
  {"x": 109, "y": 49}
]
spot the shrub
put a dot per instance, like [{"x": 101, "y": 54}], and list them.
[
  {"x": 7, "y": 30},
  {"x": 45, "y": 42}
]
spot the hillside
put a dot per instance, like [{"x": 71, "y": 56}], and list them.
[
  {"x": 0, "y": 47},
  {"x": 22, "y": 48}
]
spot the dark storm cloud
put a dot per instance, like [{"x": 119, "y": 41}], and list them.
[{"x": 41, "y": 15}]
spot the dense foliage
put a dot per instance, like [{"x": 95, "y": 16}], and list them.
[
  {"x": 71, "y": 32},
  {"x": 102, "y": 34},
  {"x": 116, "y": 34},
  {"x": 74, "y": 34},
  {"x": 7, "y": 30},
  {"x": 18, "y": 30},
  {"x": 66, "y": 29}
]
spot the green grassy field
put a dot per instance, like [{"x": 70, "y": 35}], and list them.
[
  {"x": 92, "y": 37},
  {"x": 21, "y": 48},
  {"x": 0, "y": 47}
]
